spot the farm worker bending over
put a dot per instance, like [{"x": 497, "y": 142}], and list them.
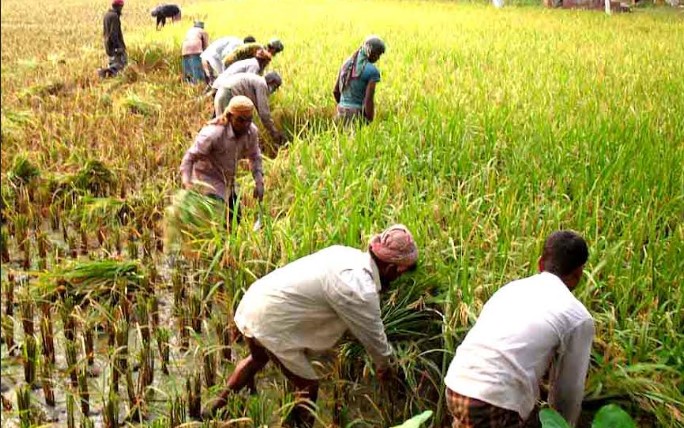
[
  {"x": 255, "y": 65},
  {"x": 196, "y": 41},
  {"x": 355, "y": 86},
  {"x": 213, "y": 157},
  {"x": 309, "y": 304},
  {"x": 257, "y": 89},
  {"x": 164, "y": 11},
  {"x": 216, "y": 51},
  {"x": 113, "y": 40},
  {"x": 249, "y": 50},
  {"x": 526, "y": 325}
]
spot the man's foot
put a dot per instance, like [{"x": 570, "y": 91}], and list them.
[{"x": 214, "y": 408}]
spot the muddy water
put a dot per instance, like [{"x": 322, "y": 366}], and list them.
[{"x": 163, "y": 388}]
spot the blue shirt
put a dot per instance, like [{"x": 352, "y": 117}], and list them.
[{"x": 355, "y": 92}]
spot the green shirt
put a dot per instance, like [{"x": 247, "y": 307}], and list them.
[{"x": 245, "y": 51}]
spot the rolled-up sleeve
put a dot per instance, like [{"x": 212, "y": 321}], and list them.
[
  {"x": 359, "y": 309},
  {"x": 201, "y": 147},
  {"x": 265, "y": 111},
  {"x": 570, "y": 370}
]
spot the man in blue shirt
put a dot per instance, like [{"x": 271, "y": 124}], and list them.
[{"x": 355, "y": 87}]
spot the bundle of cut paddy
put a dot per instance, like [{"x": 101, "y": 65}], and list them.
[
  {"x": 195, "y": 223},
  {"x": 97, "y": 281}
]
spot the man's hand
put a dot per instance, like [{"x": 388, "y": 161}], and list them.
[
  {"x": 259, "y": 192},
  {"x": 187, "y": 186},
  {"x": 384, "y": 374}
]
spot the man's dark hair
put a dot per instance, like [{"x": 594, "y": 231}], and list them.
[
  {"x": 249, "y": 39},
  {"x": 564, "y": 251}
]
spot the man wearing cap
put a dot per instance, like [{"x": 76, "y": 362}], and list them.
[
  {"x": 307, "y": 305},
  {"x": 113, "y": 40},
  {"x": 249, "y": 50},
  {"x": 255, "y": 65},
  {"x": 211, "y": 161},
  {"x": 257, "y": 89},
  {"x": 212, "y": 57},
  {"x": 195, "y": 42}
]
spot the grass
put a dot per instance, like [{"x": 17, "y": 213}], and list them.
[{"x": 494, "y": 128}]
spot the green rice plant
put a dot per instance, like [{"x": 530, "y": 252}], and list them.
[
  {"x": 70, "y": 409},
  {"x": 176, "y": 411},
  {"x": 22, "y": 171},
  {"x": 83, "y": 393},
  {"x": 100, "y": 281},
  {"x": 135, "y": 104},
  {"x": 8, "y": 313},
  {"x": 110, "y": 413},
  {"x": 194, "y": 398},
  {"x": 47, "y": 332},
  {"x": 95, "y": 178},
  {"x": 162, "y": 336},
  {"x": 26, "y": 419},
  {"x": 46, "y": 373}
]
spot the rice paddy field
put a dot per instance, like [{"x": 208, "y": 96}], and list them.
[{"x": 494, "y": 127}]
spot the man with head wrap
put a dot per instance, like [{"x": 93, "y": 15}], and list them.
[
  {"x": 355, "y": 86},
  {"x": 306, "y": 306},
  {"x": 113, "y": 40},
  {"x": 212, "y": 159},
  {"x": 257, "y": 89}
]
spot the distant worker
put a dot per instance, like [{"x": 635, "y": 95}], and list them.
[
  {"x": 212, "y": 57},
  {"x": 195, "y": 42},
  {"x": 255, "y": 65},
  {"x": 257, "y": 89},
  {"x": 249, "y": 50},
  {"x": 527, "y": 325},
  {"x": 308, "y": 305},
  {"x": 113, "y": 41},
  {"x": 213, "y": 157},
  {"x": 164, "y": 11},
  {"x": 355, "y": 86}
]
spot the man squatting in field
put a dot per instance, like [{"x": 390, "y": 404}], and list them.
[
  {"x": 354, "y": 89},
  {"x": 306, "y": 306},
  {"x": 250, "y": 50},
  {"x": 212, "y": 57},
  {"x": 212, "y": 159},
  {"x": 113, "y": 40},
  {"x": 164, "y": 11},
  {"x": 195, "y": 42},
  {"x": 525, "y": 327},
  {"x": 257, "y": 89}
]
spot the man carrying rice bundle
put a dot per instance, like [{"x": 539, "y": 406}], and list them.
[{"x": 212, "y": 160}]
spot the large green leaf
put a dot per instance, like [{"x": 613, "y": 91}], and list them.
[
  {"x": 416, "y": 421},
  {"x": 612, "y": 416},
  {"x": 552, "y": 419}
]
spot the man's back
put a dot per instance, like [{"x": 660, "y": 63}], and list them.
[{"x": 520, "y": 330}]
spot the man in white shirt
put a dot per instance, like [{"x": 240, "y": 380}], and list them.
[
  {"x": 526, "y": 327},
  {"x": 307, "y": 305}
]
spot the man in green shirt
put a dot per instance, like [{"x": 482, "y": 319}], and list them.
[{"x": 249, "y": 50}]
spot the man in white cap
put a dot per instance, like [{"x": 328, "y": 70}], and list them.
[
  {"x": 308, "y": 305},
  {"x": 212, "y": 159}
]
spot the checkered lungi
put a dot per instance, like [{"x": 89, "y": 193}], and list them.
[{"x": 471, "y": 413}]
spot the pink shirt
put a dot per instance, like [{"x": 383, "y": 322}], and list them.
[
  {"x": 213, "y": 157},
  {"x": 196, "y": 40}
]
